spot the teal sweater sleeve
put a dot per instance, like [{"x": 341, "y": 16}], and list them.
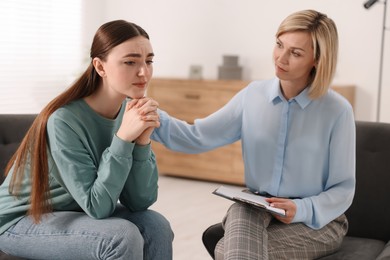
[
  {"x": 95, "y": 166},
  {"x": 140, "y": 190}
]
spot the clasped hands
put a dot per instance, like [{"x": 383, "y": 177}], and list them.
[{"x": 139, "y": 120}]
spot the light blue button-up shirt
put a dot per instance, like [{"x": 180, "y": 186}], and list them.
[{"x": 299, "y": 148}]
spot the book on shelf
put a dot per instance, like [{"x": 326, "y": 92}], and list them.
[{"x": 246, "y": 196}]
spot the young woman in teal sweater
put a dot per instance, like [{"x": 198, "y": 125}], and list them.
[{"x": 88, "y": 149}]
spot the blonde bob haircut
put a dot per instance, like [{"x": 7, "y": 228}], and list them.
[{"x": 324, "y": 37}]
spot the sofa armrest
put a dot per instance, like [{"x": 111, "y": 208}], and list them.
[
  {"x": 385, "y": 253},
  {"x": 12, "y": 130}
]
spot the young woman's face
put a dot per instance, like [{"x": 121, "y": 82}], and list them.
[
  {"x": 294, "y": 57},
  {"x": 128, "y": 68}
]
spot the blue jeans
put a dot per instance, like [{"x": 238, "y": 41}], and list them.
[{"x": 74, "y": 235}]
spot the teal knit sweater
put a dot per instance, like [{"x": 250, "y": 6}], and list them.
[{"x": 90, "y": 168}]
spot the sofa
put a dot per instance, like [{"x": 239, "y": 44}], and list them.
[
  {"x": 12, "y": 130},
  {"x": 368, "y": 235},
  {"x": 369, "y": 216}
]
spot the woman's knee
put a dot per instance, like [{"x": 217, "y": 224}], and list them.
[
  {"x": 158, "y": 225},
  {"x": 126, "y": 230},
  {"x": 152, "y": 225},
  {"x": 126, "y": 241}
]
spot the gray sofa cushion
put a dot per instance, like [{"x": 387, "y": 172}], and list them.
[
  {"x": 385, "y": 255},
  {"x": 357, "y": 248}
]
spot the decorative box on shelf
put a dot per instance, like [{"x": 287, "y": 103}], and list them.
[{"x": 191, "y": 99}]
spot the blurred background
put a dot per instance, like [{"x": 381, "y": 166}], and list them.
[{"x": 44, "y": 44}]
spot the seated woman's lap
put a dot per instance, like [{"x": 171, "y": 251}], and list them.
[{"x": 74, "y": 235}]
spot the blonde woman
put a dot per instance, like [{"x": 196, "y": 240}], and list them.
[{"x": 298, "y": 144}]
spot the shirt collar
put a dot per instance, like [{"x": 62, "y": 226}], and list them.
[{"x": 276, "y": 96}]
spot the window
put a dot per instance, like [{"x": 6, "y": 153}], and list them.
[{"x": 40, "y": 52}]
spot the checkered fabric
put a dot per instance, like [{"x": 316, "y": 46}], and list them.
[{"x": 252, "y": 233}]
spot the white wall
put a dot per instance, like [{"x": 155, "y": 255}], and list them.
[
  {"x": 201, "y": 31},
  {"x": 40, "y": 51}
]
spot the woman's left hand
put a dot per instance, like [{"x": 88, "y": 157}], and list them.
[
  {"x": 289, "y": 207},
  {"x": 147, "y": 108}
]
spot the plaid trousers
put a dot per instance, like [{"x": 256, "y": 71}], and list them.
[{"x": 252, "y": 233}]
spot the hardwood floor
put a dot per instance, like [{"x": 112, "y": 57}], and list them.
[{"x": 190, "y": 207}]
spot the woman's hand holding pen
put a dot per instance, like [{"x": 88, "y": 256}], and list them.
[
  {"x": 288, "y": 205},
  {"x": 139, "y": 120}
]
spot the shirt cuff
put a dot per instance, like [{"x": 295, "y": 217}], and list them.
[
  {"x": 121, "y": 148},
  {"x": 300, "y": 215},
  {"x": 142, "y": 152}
]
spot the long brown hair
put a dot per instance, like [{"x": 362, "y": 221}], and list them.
[{"x": 33, "y": 148}]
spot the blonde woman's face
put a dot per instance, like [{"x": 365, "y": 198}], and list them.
[
  {"x": 128, "y": 68},
  {"x": 294, "y": 57}
]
